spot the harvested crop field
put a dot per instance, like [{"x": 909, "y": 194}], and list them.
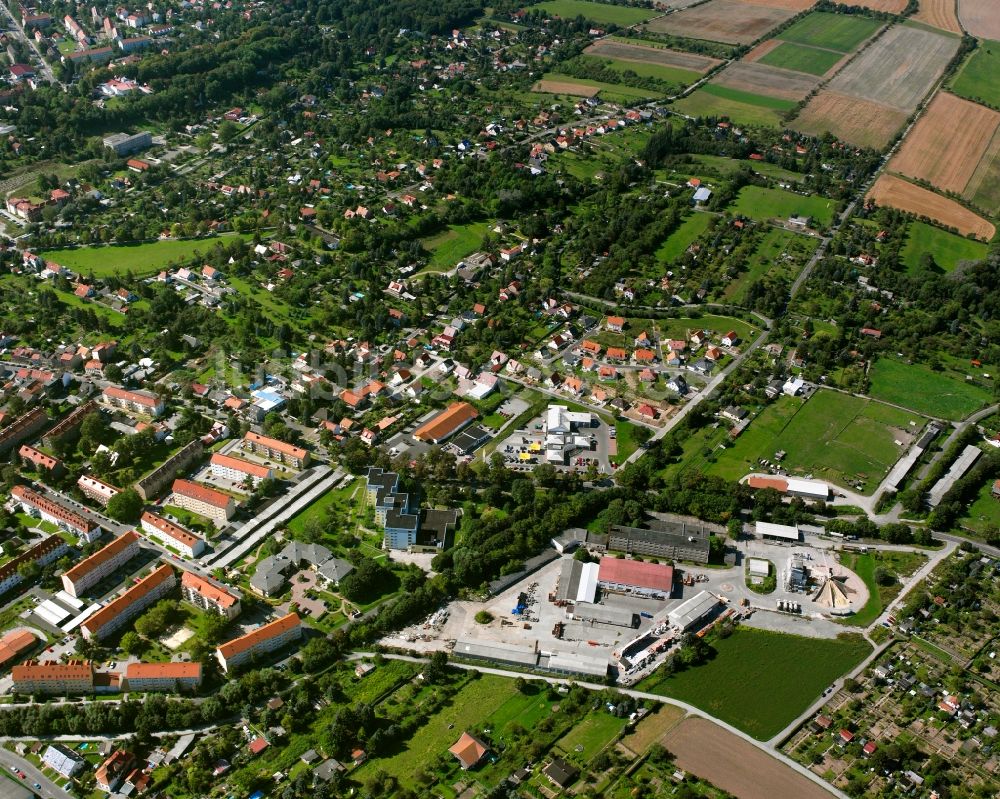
[
  {"x": 642, "y": 54},
  {"x": 898, "y": 69},
  {"x": 895, "y": 192},
  {"x": 980, "y": 18},
  {"x": 565, "y": 87},
  {"x": 790, "y": 5},
  {"x": 766, "y": 80},
  {"x": 859, "y": 122},
  {"x": 733, "y": 764},
  {"x": 944, "y": 154},
  {"x": 729, "y": 21},
  {"x": 889, "y": 6},
  {"x": 938, "y": 14},
  {"x": 984, "y": 185}
]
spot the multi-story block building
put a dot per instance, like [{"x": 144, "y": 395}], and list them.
[
  {"x": 41, "y": 461},
  {"x": 51, "y": 511},
  {"x": 172, "y": 535},
  {"x": 239, "y": 470},
  {"x": 140, "y": 596},
  {"x": 274, "y": 449},
  {"x": 144, "y": 402},
  {"x": 269, "y": 638},
  {"x": 96, "y": 489},
  {"x": 153, "y": 484},
  {"x": 42, "y": 553},
  {"x": 90, "y": 571},
  {"x": 52, "y": 677},
  {"x": 162, "y": 677},
  {"x": 205, "y": 501},
  {"x": 208, "y": 596}
]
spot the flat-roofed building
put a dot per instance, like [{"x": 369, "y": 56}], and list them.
[
  {"x": 692, "y": 612},
  {"x": 208, "y": 596},
  {"x": 90, "y": 571},
  {"x": 268, "y": 638},
  {"x": 445, "y": 424},
  {"x": 205, "y": 501},
  {"x": 136, "y": 599},
  {"x": 96, "y": 489},
  {"x": 677, "y": 540},
  {"x": 40, "y": 506},
  {"x": 239, "y": 470},
  {"x": 42, "y": 553},
  {"x": 272, "y": 448},
  {"x": 52, "y": 677},
  {"x": 777, "y": 532},
  {"x": 153, "y": 484},
  {"x": 162, "y": 677},
  {"x": 144, "y": 402},
  {"x": 172, "y": 535}
]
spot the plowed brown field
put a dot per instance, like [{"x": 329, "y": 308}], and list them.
[
  {"x": 938, "y": 13},
  {"x": 735, "y": 765},
  {"x": 641, "y": 54},
  {"x": 564, "y": 87},
  {"x": 980, "y": 17},
  {"x": 944, "y": 153},
  {"x": 895, "y": 192},
  {"x": 769, "y": 81},
  {"x": 851, "y": 119}
]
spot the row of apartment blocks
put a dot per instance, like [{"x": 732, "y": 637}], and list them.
[
  {"x": 23, "y": 427},
  {"x": 40, "y": 506},
  {"x": 276, "y": 450},
  {"x": 144, "y": 402},
  {"x": 79, "y": 677},
  {"x": 122, "y": 610},
  {"x": 172, "y": 535},
  {"x": 208, "y": 502},
  {"x": 42, "y": 553},
  {"x": 69, "y": 428},
  {"x": 41, "y": 461},
  {"x": 107, "y": 560}
]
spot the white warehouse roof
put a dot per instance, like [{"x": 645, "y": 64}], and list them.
[
  {"x": 809, "y": 488},
  {"x": 786, "y": 531},
  {"x": 588, "y": 582},
  {"x": 692, "y": 610}
]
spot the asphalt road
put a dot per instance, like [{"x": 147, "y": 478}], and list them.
[{"x": 49, "y": 789}]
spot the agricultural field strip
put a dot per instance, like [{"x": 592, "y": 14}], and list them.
[
  {"x": 728, "y": 21},
  {"x": 770, "y": 81},
  {"x": 641, "y": 54},
  {"x": 899, "y": 193}
]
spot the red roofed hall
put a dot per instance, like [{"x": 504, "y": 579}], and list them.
[
  {"x": 446, "y": 424},
  {"x": 635, "y": 576}
]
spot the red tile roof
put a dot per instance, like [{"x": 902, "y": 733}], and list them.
[
  {"x": 209, "y": 496},
  {"x": 638, "y": 573},
  {"x": 102, "y": 555},
  {"x": 278, "y": 446},
  {"x": 134, "y": 594},
  {"x": 447, "y": 422},
  {"x": 208, "y": 590},
  {"x": 240, "y": 465},
  {"x": 264, "y": 633}
]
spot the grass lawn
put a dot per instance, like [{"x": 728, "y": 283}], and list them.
[
  {"x": 676, "y": 243},
  {"x": 801, "y": 58},
  {"x": 833, "y": 31},
  {"x": 947, "y": 249},
  {"x": 900, "y": 563},
  {"x": 977, "y": 80},
  {"x": 832, "y": 436},
  {"x": 768, "y": 258},
  {"x": 749, "y": 98},
  {"x": 659, "y": 71},
  {"x": 470, "y": 707},
  {"x": 763, "y": 204},
  {"x": 340, "y": 498},
  {"x": 723, "y": 166},
  {"x": 943, "y": 394},
  {"x": 707, "y": 101},
  {"x": 984, "y": 513},
  {"x": 678, "y": 328},
  {"x": 590, "y": 736},
  {"x": 596, "y": 12},
  {"x": 625, "y": 440},
  {"x": 454, "y": 244},
  {"x": 140, "y": 259},
  {"x": 609, "y": 91},
  {"x": 740, "y": 685}
]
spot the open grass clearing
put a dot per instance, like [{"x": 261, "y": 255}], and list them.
[
  {"x": 590, "y": 736},
  {"x": 801, "y": 58},
  {"x": 684, "y": 236},
  {"x": 719, "y": 102},
  {"x": 947, "y": 249},
  {"x": 452, "y": 245},
  {"x": 140, "y": 259},
  {"x": 840, "y": 32},
  {"x": 648, "y": 70},
  {"x": 944, "y": 394},
  {"x": 750, "y": 669},
  {"x": 831, "y": 436},
  {"x": 342, "y": 501},
  {"x": 901, "y": 564},
  {"x": 983, "y": 515},
  {"x": 763, "y": 204},
  {"x": 603, "y": 13},
  {"x": 977, "y": 80},
  {"x": 554, "y": 83}
]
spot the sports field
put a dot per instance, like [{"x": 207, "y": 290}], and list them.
[
  {"x": 947, "y": 249},
  {"x": 764, "y": 204},
  {"x": 750, "y": 669},
  {"x": 140, "y": 259},
  {"x": 603, "y": 13},
  {"x": 677, "y": 242},
  {"x": 978, "y": 80},
  {"x": 943, "y": 394},
  {"x": 832, "y": 436},
  {"x": 839, "y": 32}
]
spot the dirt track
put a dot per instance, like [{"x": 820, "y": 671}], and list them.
[
  {"x": 944, "y": 153},
  {"x": 897, "y": 193},
  {"x": 734, "y": 765},
  {"x": 939, "y": 14}
]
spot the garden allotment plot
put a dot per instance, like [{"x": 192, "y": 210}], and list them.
[{"x": 832, "y": 436}]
